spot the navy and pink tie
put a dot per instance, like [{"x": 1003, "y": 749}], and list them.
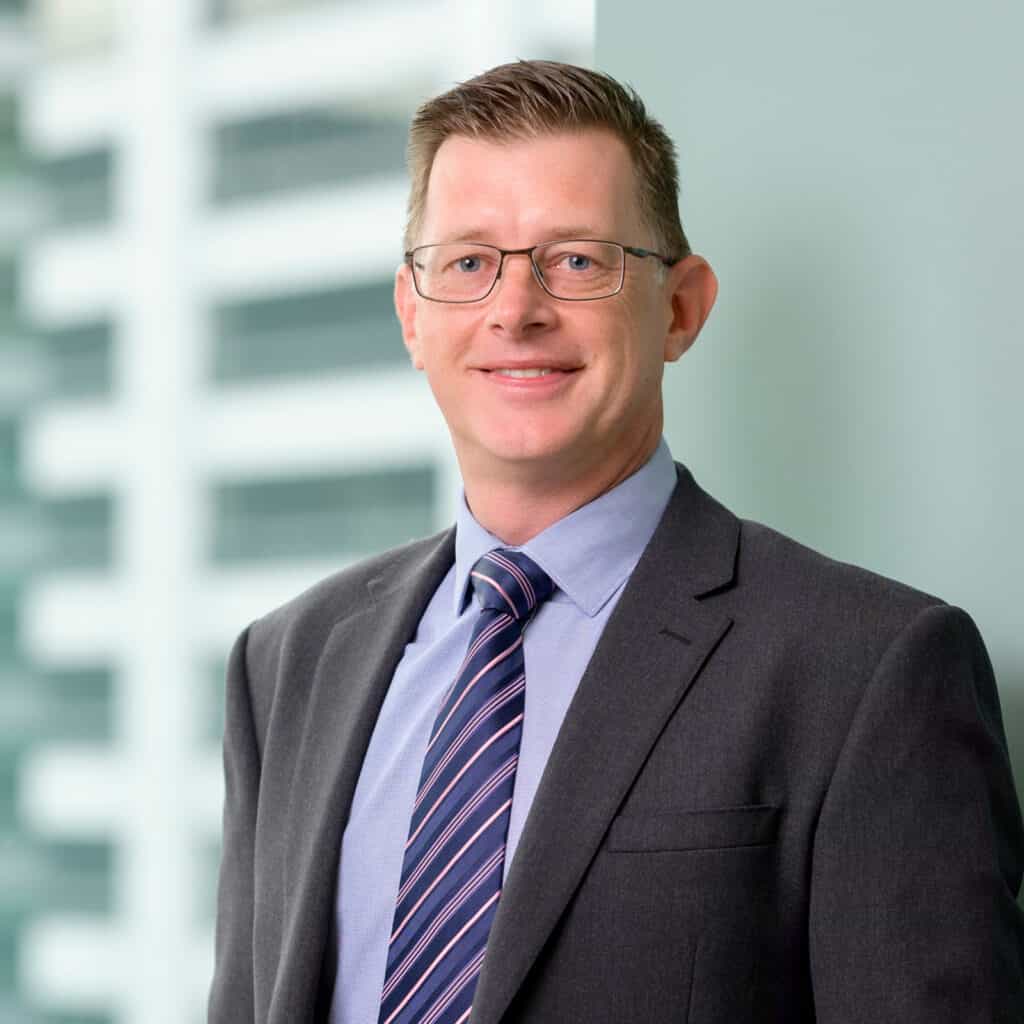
[{"x": 455, "y": 853}]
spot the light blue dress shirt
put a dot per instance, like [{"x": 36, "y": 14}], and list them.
[{"x": 590, "y": 555}]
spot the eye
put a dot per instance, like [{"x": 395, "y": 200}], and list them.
[
  {"x": 577, "y": 261},
  {"x": 469, "y": 264},
  {"x": 462, "y": 261}
]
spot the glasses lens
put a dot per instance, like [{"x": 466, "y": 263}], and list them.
[
  {"x": 456, "y": 271},
  {"x": 577, "y": 269}
]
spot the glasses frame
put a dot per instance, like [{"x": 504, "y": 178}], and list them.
[{"x": 409, "y": 258}]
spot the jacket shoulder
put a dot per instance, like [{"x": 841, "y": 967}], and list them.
[
  {"x": 803, "y": 593},
  {"x": 344, "y": 591},
  {"x": 296, "y": 630},
  {"x": 767, "y": 554}
]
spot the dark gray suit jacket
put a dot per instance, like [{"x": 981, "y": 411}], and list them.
[{"x": 781, "y": 794}]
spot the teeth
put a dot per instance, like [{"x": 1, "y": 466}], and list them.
[{"x": 524, "y": 373}]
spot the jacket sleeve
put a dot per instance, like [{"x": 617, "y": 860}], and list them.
[
  {"x": 231, "y": 995},
  {"x": 919, "y": 850}
]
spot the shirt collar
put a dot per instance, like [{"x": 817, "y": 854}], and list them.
[{"x": 590, "y": 552}]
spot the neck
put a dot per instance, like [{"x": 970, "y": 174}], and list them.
[{"x": 516, "y": 506}]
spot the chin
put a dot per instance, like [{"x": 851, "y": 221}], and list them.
[
  {"x": 525, "y": 452},
  {"x": 501, "y": 446}
]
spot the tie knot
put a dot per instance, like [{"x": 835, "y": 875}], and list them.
[{"x": 510, "y": 581}]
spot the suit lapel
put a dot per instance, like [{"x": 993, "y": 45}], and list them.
[
  {"x": 654, "y": 645},
  {"x": 349, "y": 685}
]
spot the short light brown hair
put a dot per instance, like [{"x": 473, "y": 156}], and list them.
[{"x": 530, "y": 98}]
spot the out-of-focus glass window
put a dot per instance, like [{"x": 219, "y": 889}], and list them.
[
  {"x": 8, "y": 796},
  {"x": 73, "y": 705},
  {"x": 8, "y": 962},
  {"x": 78, "y": 360},
  {"x": 78, "y": 531},
  {"x": 10, "y": 146},
  {"x": 38, "y": 875},
  {"x": 68, "y": 28},
  {"x": 8, "y": 617},
  {"x": 57, "y": 876},
  {"x": 78, "y": 188},
  {"x": 303, "y": 148},
  {"x": 306, "y": 333},
  {"x": 20, "y": 533},
  {"x": 21, "y": 362},
  {"x": 22, "y": 545},
  {"x": 8, "y": 293},
  {"x": 321, "y": 517},
  {"x": 8, "y": 458},
  {"x": 241, "y": 10}
]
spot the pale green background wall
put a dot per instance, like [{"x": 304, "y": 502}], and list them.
[{"x": 854, "y": 174}]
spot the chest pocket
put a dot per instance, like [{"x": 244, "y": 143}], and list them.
[{"x": 713, "y": 829}]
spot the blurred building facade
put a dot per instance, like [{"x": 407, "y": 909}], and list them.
[{"x": 205, "y": 406}]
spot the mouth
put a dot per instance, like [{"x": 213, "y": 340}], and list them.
[
  {"x": 526, "y": 373},
  {"x": 530, "y": 380},
  {"x": 526, "y": 369}
]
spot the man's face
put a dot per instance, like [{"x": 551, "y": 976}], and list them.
[{"x": 601, "y": 400}]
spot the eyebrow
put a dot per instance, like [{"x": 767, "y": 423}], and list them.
[{"x": 554, "y": 235}]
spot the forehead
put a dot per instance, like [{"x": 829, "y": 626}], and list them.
[{"x": 522, "y": 191}]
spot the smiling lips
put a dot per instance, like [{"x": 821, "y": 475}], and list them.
[
  {"x": 528, "y": 372},
  {"x": 537, "y": 381},
  {"x": 535, "y": 372}
]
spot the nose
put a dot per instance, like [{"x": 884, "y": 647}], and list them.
[{"x": 518, "y": 304}]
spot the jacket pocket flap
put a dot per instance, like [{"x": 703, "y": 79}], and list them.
[{"x": 720, "y": 828}]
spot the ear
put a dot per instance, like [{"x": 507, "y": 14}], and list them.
[
  {"x": 691, "y": 289},
  {"x": 405, "y": 307}
]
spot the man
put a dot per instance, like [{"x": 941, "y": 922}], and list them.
[{"x": 603, "y": 752}]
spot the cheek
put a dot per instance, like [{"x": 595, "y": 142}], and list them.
[
  {"x": 646, "y": 340},
  {"x": 445, "y": 352},
  {"x": 633, "y": 356},
  {"x": 439, "y": 342}
]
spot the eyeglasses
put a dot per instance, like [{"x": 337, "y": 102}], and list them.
[{"x": 576, "y": 270}]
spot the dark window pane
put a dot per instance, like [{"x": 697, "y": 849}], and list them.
[
  {"x": 44, "y": 876},
  {"x": 8, "y": 459},
  {"x": 313, "y": 332},
  {"x": 78, "y": 532},
  {"x": 72, "y": 706},
  {"x": 226, "y": 11},
  {"x": 8, "y": 965},
  {"x": 20, "y": 357},
  {"x": 303, "y": 148},
  {"x": 79, "y": 360},
  {"x": 8, "y": 617},
  {"x": 8, "y": 291},
  {"x": 8, "y": 795},
  {"x": 10, "y": 146},
  {"x": 77, "y": 187},
  {"x": 313, "y": 517}
]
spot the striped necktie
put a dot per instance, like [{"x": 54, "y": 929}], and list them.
[{"x": 455, "y": 853}]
